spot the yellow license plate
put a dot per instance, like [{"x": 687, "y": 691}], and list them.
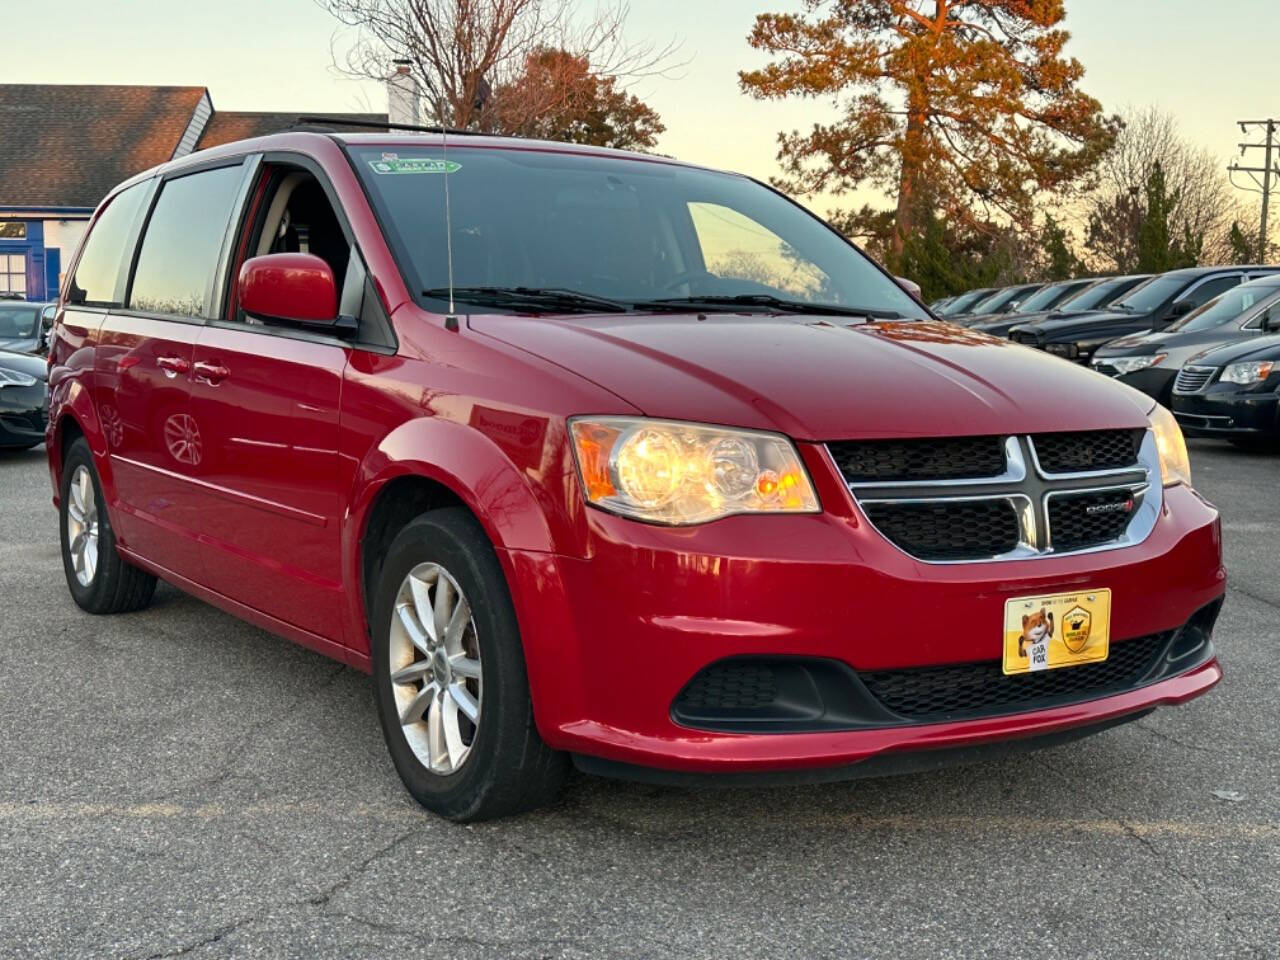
[{"x": 1060, "y": 630}]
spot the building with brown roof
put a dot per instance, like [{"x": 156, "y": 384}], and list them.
[{"x": 63, "y": 146}]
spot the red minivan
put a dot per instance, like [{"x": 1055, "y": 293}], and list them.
[{"x": 600, "y": 457}]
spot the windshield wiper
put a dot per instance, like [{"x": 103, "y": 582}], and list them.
[
  {"x": 768, "y": 302},
  {"x": 548, "y": 299}
]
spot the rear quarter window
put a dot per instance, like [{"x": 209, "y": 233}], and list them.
[{"x": 97, "y": 280}]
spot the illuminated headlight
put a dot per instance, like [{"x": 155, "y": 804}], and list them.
[
  {"x": 666, "y": 471},
  {"x": 1067, "y": 350},
  {"x": 12, "y": 378},
  {"x": 1123, "y": 365},
  {"x": 1175, "y": 465},
  {"x": 1247, "y": 373}
]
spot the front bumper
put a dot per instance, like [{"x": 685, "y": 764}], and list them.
[
  {"x": 611, "y": 640},
  {"x": 24, "y": 413},
  {"x": 1156, "y": 382},
  {"x": 1226, "y": 410}
]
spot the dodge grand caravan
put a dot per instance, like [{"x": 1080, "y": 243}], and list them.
[{"x": 603, "y": 458}]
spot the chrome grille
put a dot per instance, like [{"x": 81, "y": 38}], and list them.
[
  {"x": 1192, "y": 379},
  {"x": 1049, "y": 493}
]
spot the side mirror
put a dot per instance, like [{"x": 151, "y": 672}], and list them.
[
  {"x": 296, "y": 287},
  {"x": 1181, "y": 309},
  {"x": 910, "y": 286}
]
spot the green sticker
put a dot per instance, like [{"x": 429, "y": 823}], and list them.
[{"x": 394, "y": 164}]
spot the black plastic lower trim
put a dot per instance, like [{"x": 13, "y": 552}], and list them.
[{"x": 881, "y": 765}]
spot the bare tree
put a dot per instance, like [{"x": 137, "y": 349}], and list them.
[
  {"x": 1195, "y": 178},
  {"x": 460, "y": 51}
]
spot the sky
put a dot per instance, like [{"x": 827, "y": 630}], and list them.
[{"x": 1208, "y": 64}]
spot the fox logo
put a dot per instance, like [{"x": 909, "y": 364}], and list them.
[{"x": 1035, "y": 627}]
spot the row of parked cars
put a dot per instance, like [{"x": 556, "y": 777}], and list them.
[
  {"x": 1204, "y": 341},
  {"x": 24, "y": 404}
]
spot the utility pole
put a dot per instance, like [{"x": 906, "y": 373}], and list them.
[{"x": 1267, "y": 169}]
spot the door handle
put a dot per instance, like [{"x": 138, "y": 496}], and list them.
[
  {"x": 210, "y": 372},
  {"x": 172, "y": 366}
]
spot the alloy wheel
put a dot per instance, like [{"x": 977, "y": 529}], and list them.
[
  {"x": 82, "y": 526},
  {"x": 435, "y": 668}
]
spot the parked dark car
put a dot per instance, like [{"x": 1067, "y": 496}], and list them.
[
  {"x": 24, "y": 326},
  {"x": 1097, "y": 295},
  {"x": 24, "y": 400},
  {"x": 1044, "y": 297},
  {"x": 963, "y": 304},
  {"x": 1001, "y": 302},
  {"x": 1150, "y": 361},
  {"x": 1152, "y": 306},
  {"x": 1233, "y": 392}
]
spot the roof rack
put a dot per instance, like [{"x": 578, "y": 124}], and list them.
[{"x": 381, "y": 125}]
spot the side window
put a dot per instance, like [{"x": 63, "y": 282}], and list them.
[
  {"x": 735, "y": 247},
  {"x": 1211, "y": 288},
  {"x": 97, "y": 275},
  {"x": 183, "y": 240},
  {"x": 298, "y": 218}
]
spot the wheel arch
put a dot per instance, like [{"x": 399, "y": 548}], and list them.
[{"x": 396, "y": 482}]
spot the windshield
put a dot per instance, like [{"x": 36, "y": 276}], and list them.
[
  {"x": 1225, "y": 308},
  {"x": 1044, "y": 298},
  {"x": 1095, "y": 296},
  {"x": 605, "y": 227},
  {"x": 18, "y": 321},
  {"x": 999, "y": 299},
  {"x": 1154, "y": 292},
  {"x": 964, "y": 301}
]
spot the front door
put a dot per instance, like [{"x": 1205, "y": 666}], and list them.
[
  {"x": 266, "y": 396},
  {"x": 267, "y": 406}
]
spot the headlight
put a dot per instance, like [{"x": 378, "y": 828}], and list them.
[
  {"x": 1246, "y": 373},
  {"x": 12, "y": 378},
  {"x": 1175, "y": 467},
  {"x": 1067, "y": 350},
  {"x": 666, "y": 471},
  {"x": 1123, "y": 365}
]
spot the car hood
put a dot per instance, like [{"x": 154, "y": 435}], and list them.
[
  {"x": 27, "y": 363},
  {"x": 1070, "y": 326},
  {"x": 1176, "y": 345},
  {"x": 1253, "y": 348},
  {"x": 824, "y": 378}
]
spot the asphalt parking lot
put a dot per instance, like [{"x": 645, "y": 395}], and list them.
[{"x": 177, "y": 783}]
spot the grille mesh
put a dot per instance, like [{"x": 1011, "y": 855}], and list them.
[
  {"x": 1091, "y": 450},
  {"x": 1072, "y": 527},
  {"x": 1191, "y": 379},
  {"x": 731, "y": 686},
  {"x": 948, "y": 530},
  {"x": 943, "y": 458},
  {"x": 982, "y": 689}
]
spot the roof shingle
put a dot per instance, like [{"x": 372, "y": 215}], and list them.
[{"x": 67, "y": 145}]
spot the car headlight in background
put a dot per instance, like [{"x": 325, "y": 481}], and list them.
[
  {"x": 666, "y": 471},
  {"x": 1175, "y": 465},
  {"x": 13, "y": 378},
  {"x": 1123, "y": 365},
  {"x": 1247, "y": 373},
  {"x": 1067, "y": 350}
]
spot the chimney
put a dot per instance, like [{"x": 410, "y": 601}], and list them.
[{"x": 402, "y": 95}]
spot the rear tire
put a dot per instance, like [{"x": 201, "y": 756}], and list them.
[
  {"x": 99, "y": 578},
  {"x": 463, "y": 657}
]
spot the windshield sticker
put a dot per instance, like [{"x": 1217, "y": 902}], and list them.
[{"x": 393, "y": 164}]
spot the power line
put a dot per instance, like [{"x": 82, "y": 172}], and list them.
[{"x": 1267, "y": 169}]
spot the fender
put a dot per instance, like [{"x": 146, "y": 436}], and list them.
[
  {"x": 69, "y": 400},
  {"x": 517, "y": 513}
]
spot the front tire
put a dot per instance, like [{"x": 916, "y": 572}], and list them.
[
  {"x": 449, "y": 677},
  {"x": 98, "y": 577}
]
